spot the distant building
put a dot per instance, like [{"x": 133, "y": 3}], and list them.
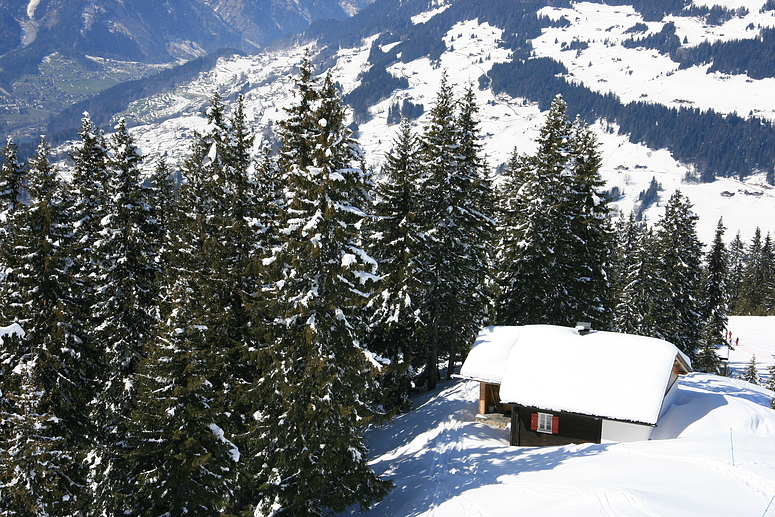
[{"x": 562, "y": 385}]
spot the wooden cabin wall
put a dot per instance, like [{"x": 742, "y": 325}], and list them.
[{"x": 572, "y": 428}]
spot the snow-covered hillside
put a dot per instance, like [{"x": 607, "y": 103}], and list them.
[
  {"x": 166, "y": 122},
  {"x": 713, "y": 454}
]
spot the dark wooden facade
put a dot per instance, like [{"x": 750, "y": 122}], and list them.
[
  {"x": 490, "y": 399},
  {"x": 568, "y": 428}
]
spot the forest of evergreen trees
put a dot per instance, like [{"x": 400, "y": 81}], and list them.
[{"x": 218, "y": 346}]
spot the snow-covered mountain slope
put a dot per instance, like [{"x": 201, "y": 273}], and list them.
[
  {"x": 165, "y": 123},
  {"x": 712, "y": 455}
]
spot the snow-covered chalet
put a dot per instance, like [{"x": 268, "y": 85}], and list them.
[{"x": 564, "y": 385}]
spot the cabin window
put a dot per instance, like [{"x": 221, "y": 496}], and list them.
[{"x": 544, "y": 423}]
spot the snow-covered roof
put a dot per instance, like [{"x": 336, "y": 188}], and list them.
[{"x": 605, "y": 374}]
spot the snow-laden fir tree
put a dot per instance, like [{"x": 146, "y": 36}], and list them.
[
  {"x": 714, "y": 329},
  {"x": 439, "y": 160},
  {"x": 751, "y": 372},
  {"x": 455, "y": 213},
  {"x": 11, "y": 191},
  {"x": 124, "y": 307},
  {"x": 679, "y": 277},
  {"x": 308, "y": 452},
  {"x": 191, "y": 411},
  {"x": 469, "y": 238},
  {"x": 34, "y": 455},
  {"x": 396, "y": 242},
  {"x": 736, "y": 271},
  {"x": 553, "y": 259},
  {"x": 632, "y": 281},
  {"x": 755, "y": 295},
  {"x": 11, "y": 182},
  {"x": 51, "y": 367},
  {"x": 770, "y": 385},
  {"x": 179, "y": 460}
]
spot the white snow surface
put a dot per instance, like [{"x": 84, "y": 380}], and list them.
[
  {"x": 605, "y": 374},
  {"x": 712, "y": 455},
  {"x": 14, "y": 328}
]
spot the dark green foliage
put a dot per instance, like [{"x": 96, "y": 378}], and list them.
[
  {"x": 751, "y": 373},
  {"x": 396, "y": 243},
  {"x": 11, "y": 175},
  {"x": 755, "y": 293},
  {"x": 725, "y": 145},
  {"x": 309, "y": 454},
  {"x": 456, "y": 201},
  {"x": 679, "y": 298},
  {"x": 124, "y": 306},
  {"x": 736, "y": 261},
  {"x": 555, "y": 244},
  {"x": 191, "y": 415},
  {"x": 637, "y": 285},
  {"x": 51, "y": 381},
  {"x": 714, "y": 304},
  {"x": 664, "y": 41},
  {"x": 647, "y": 198}
]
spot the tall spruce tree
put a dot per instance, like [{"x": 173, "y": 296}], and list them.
[
  {"x": 470, "y": 236},
  {"x": 456, "y": 205},
  {"x": 756, "y": 288},
  {"x": 125, "y": 306},
  {"x": 714, "y": 304},
  {"x": 736, "y": 269},
  {"x": 396, "y": 243},
  {"x": 51, "y": 382},
  {"x": 195, "y": 373},
  {"x": 440, "y": 161},
  {"x": 679, "y": 319},
  {"x": 634, "y": 282},
  {"x": 309, "y": 452},
  {"x": 11, "y": 190},
  {"x": 553, "y": 264},
  {"x": 11, "y": 181}
]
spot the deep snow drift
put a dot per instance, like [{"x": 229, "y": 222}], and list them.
[{"x": 712, "y": 454}]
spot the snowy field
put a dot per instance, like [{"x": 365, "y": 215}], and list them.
[
  {"x": 713, "y": 454},
  {"x": 168, "y": 121}
]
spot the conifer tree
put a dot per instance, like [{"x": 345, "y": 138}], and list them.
[
  {"x": 770, "y": 385},
  {"x": 471, "y": 232},
  {"x": 396, "y": 243},
  {"x": 33, "y": 455},
  {"x": 456, "y": 213},
  {"x": 180, "y": 460},
  {"x": 125, "y": 305},
  {"x": 54, "y": 362},
  {"x": 11, "y": 178},
  {"x": 679, "y": 319},
  {"x": 553, "y": 266},
  {"x": 87, "y": 195},
  {"x": 440, "y": 160},
  {"x": 11, "y": 189},
  {"x": 736, "y": 269},
  {"x": 309, "y": 453},
  {"x": 714, "y": 304},
  {"x": 208, "y": 335},
  {"x": 756, "y": 288},
  {"x": 751, "y": 373},
  {"x": 634, "y": 280}
]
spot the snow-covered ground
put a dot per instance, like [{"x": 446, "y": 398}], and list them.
[
  {"x": 713, "y": 454},
  {"x": 167, "y": 121}
]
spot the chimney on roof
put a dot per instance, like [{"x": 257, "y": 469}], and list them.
[{"x": 584, "y": 327}]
